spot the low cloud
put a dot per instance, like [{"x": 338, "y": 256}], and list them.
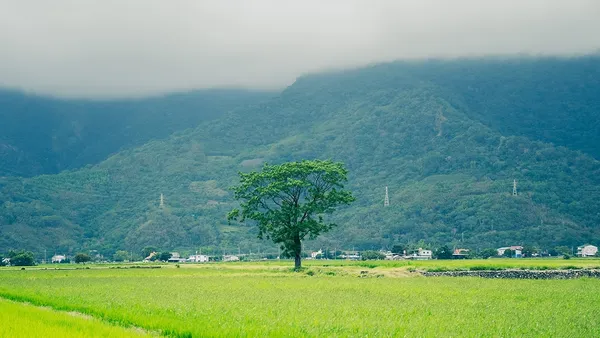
[{"x": 143, "y": 47}]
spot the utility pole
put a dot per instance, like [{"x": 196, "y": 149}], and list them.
[
  {"x": 45, "y": 257},
  {"x": 386, "y": 202},
  {"x": 162, "y": 201},
  {"x": 515, "y": 188}
]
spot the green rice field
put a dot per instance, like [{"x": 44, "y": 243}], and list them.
[{"x": 328, "y": 298}]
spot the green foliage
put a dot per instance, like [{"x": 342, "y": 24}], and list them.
[
  {"x": 447, "y": 137},
  {"x": 508, "y": 253},
  {"x": 74, "y": 133},
  {"x": 82, "y": 258},
  {"x": 371, "y": 255},
  {"x": 288, "y": 201},
  {"x": 21, "y": 258},
  {"x": 487, "y": 253},
  {"x": 146, "y": 251},
  {"x": 443, "y": 252},
  {"x": 121, "y": 256},
  {"x": 398, "y": 249},
  {"x": 164, "y": 256}
]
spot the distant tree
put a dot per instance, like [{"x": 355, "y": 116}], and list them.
[
  {"x": 21, "y": 258},
  {"x": 164, "y": 256},
  {"x": 398, "y": 249},
  {"x": 508, "y": 253},
  {"x": 120, "y": 256},
  {"x": 82, "y": 258},
  {"x": 553, "y": 252},
  {"x": 288, "y": 201},
  {"x": 148, "y": 250},
  {"x": 563, "y": 250},
  {"x": 487, "y": 253},
  {"x": 371, "y": 254},
  {"x": 528, "y": 251},
  {"x": 443, "y": 252}
]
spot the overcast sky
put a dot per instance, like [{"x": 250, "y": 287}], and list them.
[{"x": 123, "y": 48}]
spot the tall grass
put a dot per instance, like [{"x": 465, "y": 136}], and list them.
[{"x": 22, "y": 320}]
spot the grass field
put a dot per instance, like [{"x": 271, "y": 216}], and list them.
[
  {"x": 24, "y": 320},
  {"x": 327, "y": 299}
]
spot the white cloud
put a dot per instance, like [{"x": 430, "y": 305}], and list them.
[{"x": 138, "y": 47}]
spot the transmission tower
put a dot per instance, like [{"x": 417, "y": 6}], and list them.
[
  {"x": 162, "y": 201},
  {"x": 386, "y": 202},
  {"x": 515, "y": 188}
]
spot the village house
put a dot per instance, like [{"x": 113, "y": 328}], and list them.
[
  {"x": 421, "y": 254},
  {"x": 58, "y": 258},
  {"x": 516, "y": 249},
  {"x": 587, "y": 250},
  {"x": 460, "y": 253},
  {"x": 198, "y": 258},
  {"x": 176, "y": 258},
  {"x": 230, "y": 258},
  {"x": 316, "y": 254}
]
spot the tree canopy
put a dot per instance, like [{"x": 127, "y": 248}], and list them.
[{"x": 288, "y": 201}]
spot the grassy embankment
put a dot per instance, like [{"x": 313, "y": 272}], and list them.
[{"x": 258, "y": 299}]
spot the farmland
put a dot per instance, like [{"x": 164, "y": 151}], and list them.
[{"x": 326, "y": 299}]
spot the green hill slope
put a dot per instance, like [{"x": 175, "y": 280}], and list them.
[
  {"x": 40, "y": 135},
  {"x": 449, "y": 174}
]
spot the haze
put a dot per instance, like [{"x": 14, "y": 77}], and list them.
[{"x": 102, "y": 49}]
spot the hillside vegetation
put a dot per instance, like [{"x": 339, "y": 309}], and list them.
[
  {"x": 40, "y": 135},
  {"x": 446, "y": 137}
]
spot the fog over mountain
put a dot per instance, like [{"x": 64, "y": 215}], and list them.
[{"x": 105, "y": 49}]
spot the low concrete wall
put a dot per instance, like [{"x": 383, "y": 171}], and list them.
[{"x": 520, "y": 274}]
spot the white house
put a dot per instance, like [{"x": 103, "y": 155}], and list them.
[
  {"x": 198, "y": 258},
  {"x": 314, "y": 254},
  {"x": 6, "y": 261},
  {"x": 425, "y": 253},
  {"x": 230, "y": 258},
  {"x": 175, "y": 258},
  {"x": 587, "y": 250},
  {"x": 421, "y": 254},
  {"x": 516, "y": 249},
  {"x": 58, "y": 258}
]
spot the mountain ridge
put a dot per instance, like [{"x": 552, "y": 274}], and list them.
[{"x": 450, "y": 175}]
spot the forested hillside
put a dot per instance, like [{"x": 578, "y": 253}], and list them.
[
  {"x": 40, "y": 135},
  {"x": 445, "y": 137}
]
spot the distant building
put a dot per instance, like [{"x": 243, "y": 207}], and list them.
[
  {"x": 420, "y": 254},
  {"x": 587, "y": 250},
  {"x": 516, "y": 249},
  {"x": 230, "y": 258},
  {"x": 314, "y": 254},
  {"x": 352, "y": 257},
  {"x": 460, "y": 253},
  {"x": 175, "y": 258},
  {"x": 6, "y": 261},
  {"x": 198, "y": 258},
  {"x": 58, "y": 258},
  {"x": 149, "y": 258}
]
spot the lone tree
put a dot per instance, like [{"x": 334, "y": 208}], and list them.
[
  {"x": 288, "y": 201},
  {"x": 82, "y": 258}
]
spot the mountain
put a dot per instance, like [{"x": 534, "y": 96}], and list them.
[
  {"x": 447, "y": 146},
  {"x": 41, "y": 135}
]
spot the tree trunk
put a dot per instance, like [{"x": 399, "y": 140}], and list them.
[{"x": 297, "y": 253}]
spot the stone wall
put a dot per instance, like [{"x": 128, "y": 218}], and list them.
[{"x": 520, "y": 274}]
